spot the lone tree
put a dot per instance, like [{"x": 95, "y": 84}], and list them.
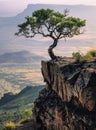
[{"x": 50, "y": 23}]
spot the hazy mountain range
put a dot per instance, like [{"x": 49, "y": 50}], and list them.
[
  {"x": 20, "y": 57},
  {"x": 11, "y": 43}
]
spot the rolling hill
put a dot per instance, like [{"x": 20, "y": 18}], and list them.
[
  {"x": 12, "y": 106},
  {"x": 23, "y": 99}
]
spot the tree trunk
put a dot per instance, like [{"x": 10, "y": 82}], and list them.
[{"x": 50, "y": 50}]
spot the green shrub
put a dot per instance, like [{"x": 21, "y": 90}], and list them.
[
  {"x": 88, "y": 57},
  {"x": 9, "y": 126},
  {"x": 92, "y": 53},
  {"x": 27, "y": 114},
  {"x": 78, "y": 57}
]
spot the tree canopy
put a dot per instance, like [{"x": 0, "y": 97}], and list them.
[{"x": 50, "y": 23}]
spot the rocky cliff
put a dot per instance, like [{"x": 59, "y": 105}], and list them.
[{"x": 69, "y": 100}]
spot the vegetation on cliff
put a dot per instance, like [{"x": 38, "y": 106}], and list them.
[{"x": 80, "y": 57}]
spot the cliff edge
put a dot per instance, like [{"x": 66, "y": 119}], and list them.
[{"x": 69, "y": 100}]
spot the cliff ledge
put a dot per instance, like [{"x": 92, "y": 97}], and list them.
[{"x": 69, "y": 100}]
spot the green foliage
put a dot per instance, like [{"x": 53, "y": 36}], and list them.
[
  {"x": 80, "y": 57},
  {"x": 27, "y": 114},
  {"x": 9, "y": 126},
  {"x": 50, "y": 23},
  {"x": 88, "y": 57},
  {"x": 92, "y": 53}
]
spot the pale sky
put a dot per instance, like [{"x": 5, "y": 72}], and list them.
[{"x": 12, "y": 7}]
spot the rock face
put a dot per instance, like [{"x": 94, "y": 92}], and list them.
[{"x": 69, "y": 100}]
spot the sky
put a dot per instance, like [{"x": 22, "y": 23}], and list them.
[{"x": 13, "y": 7}]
